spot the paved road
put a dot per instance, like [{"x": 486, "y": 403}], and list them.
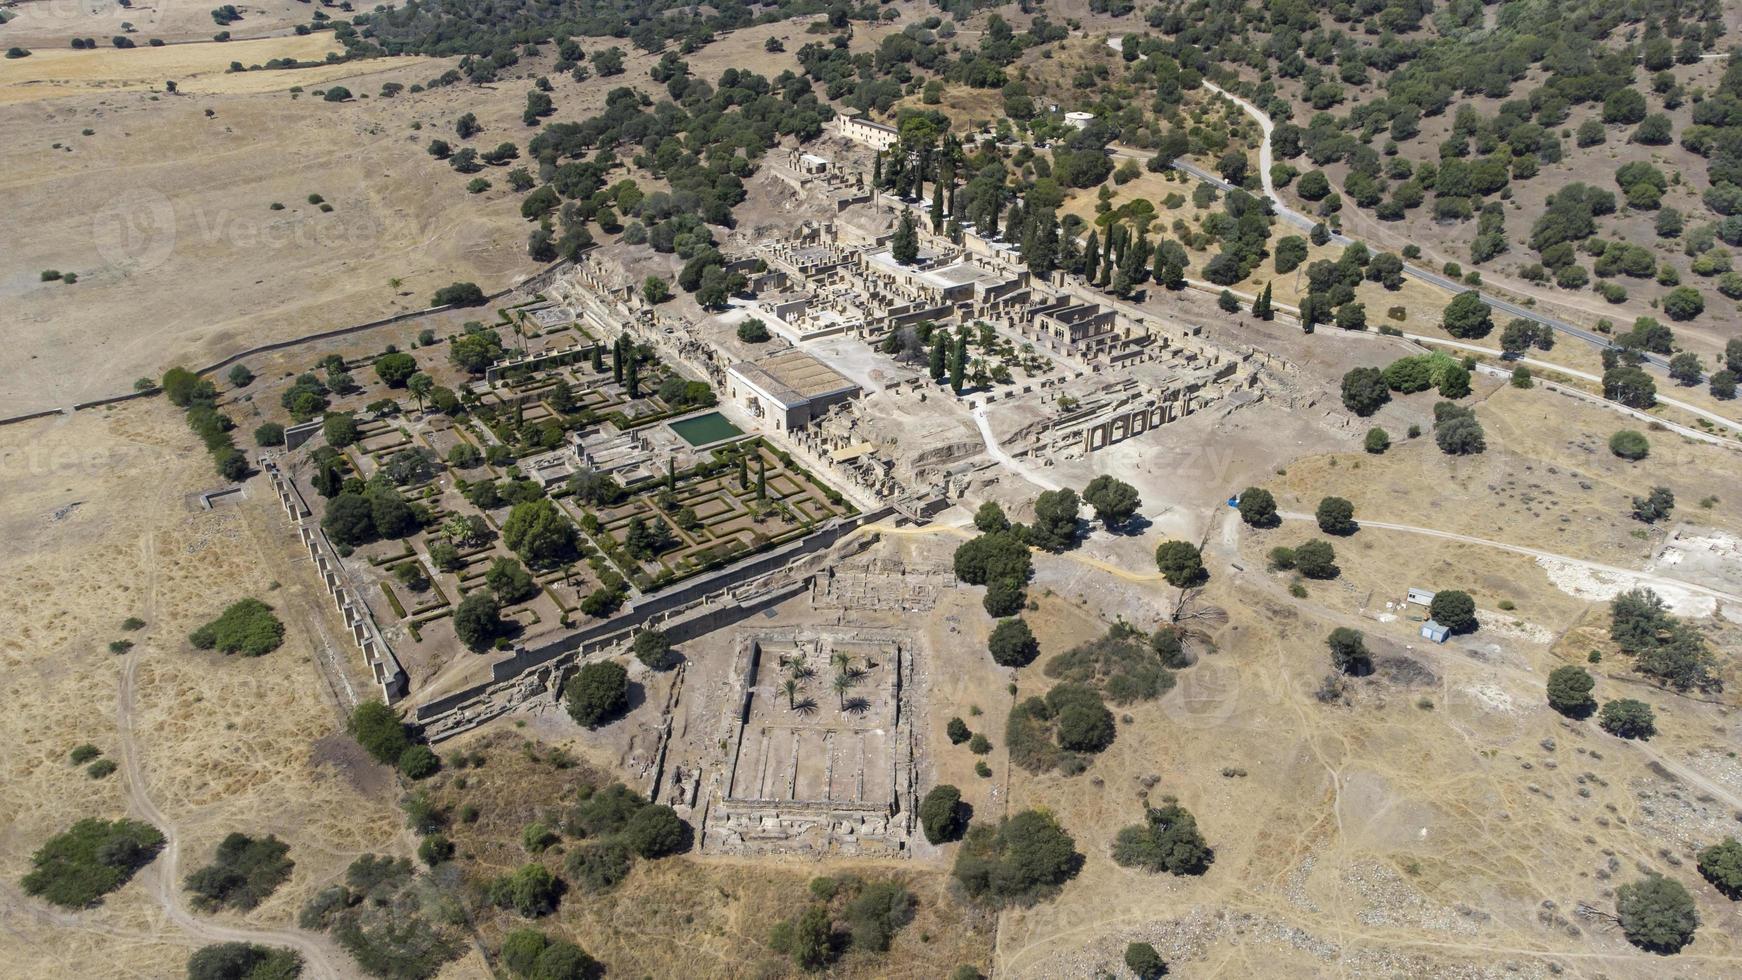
[{"x": 1428, "y": 276}]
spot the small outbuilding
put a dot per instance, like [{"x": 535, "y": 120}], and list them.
[{"x": 1431, "y": 630}]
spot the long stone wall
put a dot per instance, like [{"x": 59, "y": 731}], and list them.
[
  {"x": 359, "y": 622},
  {"x": 694, "y": 609}
]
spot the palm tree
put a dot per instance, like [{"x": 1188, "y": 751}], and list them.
[
  {"x": 842, "y": 683},
  {"x": 841, "y": 659},
  {"x": 801, "y": 670},
  {"x": 420, "y": 386},
  {"x": 791, "y": 689}
]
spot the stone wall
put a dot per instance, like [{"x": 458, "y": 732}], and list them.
[{"x": 359, "y": 622}]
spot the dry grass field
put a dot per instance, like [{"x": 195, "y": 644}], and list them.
[
  {"x": 1432, "y": 819},
  {"x": 195, "y": 68},
  {"x": 51, "y": 24},
  {"x": 163, "y": 208},
  {"x": 99, "y": 527}
]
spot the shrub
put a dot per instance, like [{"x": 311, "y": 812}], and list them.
[
  {"x": 478, "y": 619},
  {"x": 753, "y": 331},
  {"x": 1258, "y": 507},
  {"x": 1180, "y": 563},
  {"x": 1316, "y": 559},
  {"x": 458, "y": 294},
  {"x": 940, "y": 814},
  {"x": 1143, "y": 961},
  {"x": 1569, "y": 691},
  {"x": 1629, "y": 445},
  {"x": 1336, "y": 516},
  {"x": 1012, "y": 644},
  {"x": 957, "y": 730},
  {"x": 599, "y": 866},
  {"x": 243, "y": 961},
  {"x": 101, "y": 769},
  {"x": 89, "y": 860},
  {"x": 530, "y": 891},
  {"x": 877, "y": 913},
  {"x": 419, "y": 762},
  {"x": 269, "y": 434},
  {"x": 597, "y": 692},
  {"x": 1721, "y": 864},
  {"x": 434, "y": 849},
  {"x": 1627, "y": 718},
  {"x": 395, "y": 369},
  {"x": 83, "y": 753},
  {"x": 1084, "y": 723},
  {"x": 244, "y": 873},
  {"x": 993, "y": 557},
  {"x": 655, "y": 831},
  {"x": 1168, "y": 840},
  {"x": 1377, "y": 441},
  {"x": 1349, "y": 651},
  {"x": 1025, "y": 858},
  {"x": 379, "y": 731},
  {"x": 1003, "y": 598},
  {"x": 247, "y": 627},
  {"x": 1119, "y": 662},
  {"x": 1365, "y": 391},
  {"x": 654, "y": 650},
  {"x": 1454, "y": 610},
  {"x": 1656, "y": 913},
  {"x": 805, "y": 937},
  {"x": 1114, "y": 500}
]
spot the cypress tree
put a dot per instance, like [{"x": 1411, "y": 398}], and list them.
[
  {"x": 617, "y": 361},
  {"x": 1261, "y": 306},
  {"x": 937, "y": 357},
  {"x": 761, "y": 477},
  {"x": 743, "y": 472},
  {"x": 598, "y": 357},
  {"x": 959, "y": 363},
  {"x": 937, "y": 208},
  {"x": 905, "y": 246},
  {"x": 634, "y": 378},
  {"x": 1091, "y": 255}
]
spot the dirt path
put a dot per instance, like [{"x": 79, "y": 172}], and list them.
[
  {"x": 1716, "y": 419},
  {"x": 1647, "y": 578},
  {"x": 1010, "y": 462},
  {"x": 161, "y": 877}
]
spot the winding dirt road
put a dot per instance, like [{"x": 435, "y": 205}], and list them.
[
  {"x": 161, "y": 878},
  {"x": 1645, "y": 578}
]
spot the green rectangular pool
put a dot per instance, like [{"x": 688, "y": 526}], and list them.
[{"x": 704, "y": 429}]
